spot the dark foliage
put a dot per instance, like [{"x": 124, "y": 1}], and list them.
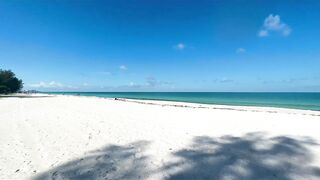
[{"x": 9, "y": 83}]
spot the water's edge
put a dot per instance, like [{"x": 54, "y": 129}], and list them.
[{"x": 302, "y": 101}]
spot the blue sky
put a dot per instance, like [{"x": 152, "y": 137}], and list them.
[{"x": 162, "y": 45}]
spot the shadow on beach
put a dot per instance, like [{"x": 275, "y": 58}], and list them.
[
  {"x": 253, "y": 156},
  {"x": 110, "y": 162}
]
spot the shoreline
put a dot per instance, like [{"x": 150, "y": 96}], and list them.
[{"x": 205, "y": 106}]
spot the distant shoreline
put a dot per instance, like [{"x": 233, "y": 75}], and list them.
[
  {"x": 182, "y": 104},
  {"x": 250, "y": 108},
  {"x": 303, "y": 101}
]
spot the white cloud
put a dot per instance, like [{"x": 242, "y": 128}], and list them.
[
  {"x": 131, "y": 83},
  {"x": 263, "y": 33},
  {"x": 123, "y": 67},
  {"x": 273, "y": 23},
  {"x": 223, "y": 80},
  {"x": 179, "y": 46},
  {"x": 153, "y": 82},
  {"x": 51, "y": 84},
  {"x": 150, "y": 83},
  {"x": 241, "y": 50}
]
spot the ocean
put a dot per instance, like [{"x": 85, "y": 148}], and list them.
[{"x": 306, "y": 101}]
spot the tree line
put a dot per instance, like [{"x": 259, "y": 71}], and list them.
[{"x": 9, "y": 83}]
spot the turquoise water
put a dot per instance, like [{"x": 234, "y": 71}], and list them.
[{"x": 307, "y": 101}]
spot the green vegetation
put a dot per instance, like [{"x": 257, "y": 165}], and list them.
[{"x": 9, "y": 83}]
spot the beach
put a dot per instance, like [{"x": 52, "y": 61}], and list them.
[{"x": 65, "y": 137}]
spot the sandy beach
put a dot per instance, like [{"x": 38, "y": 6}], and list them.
[{"x": 69, "y": 137}]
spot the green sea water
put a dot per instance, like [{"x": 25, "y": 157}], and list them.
[{"x": 306, "y": 101}]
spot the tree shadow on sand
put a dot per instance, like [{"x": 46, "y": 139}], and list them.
[
  {"x": 110, "y": 162},
  {"x": 253, "y": 156}
]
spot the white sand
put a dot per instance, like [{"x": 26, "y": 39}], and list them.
[{"x": 94, "y": 138}]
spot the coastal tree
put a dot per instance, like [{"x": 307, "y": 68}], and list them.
[{"x": 9, "y": 83}]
